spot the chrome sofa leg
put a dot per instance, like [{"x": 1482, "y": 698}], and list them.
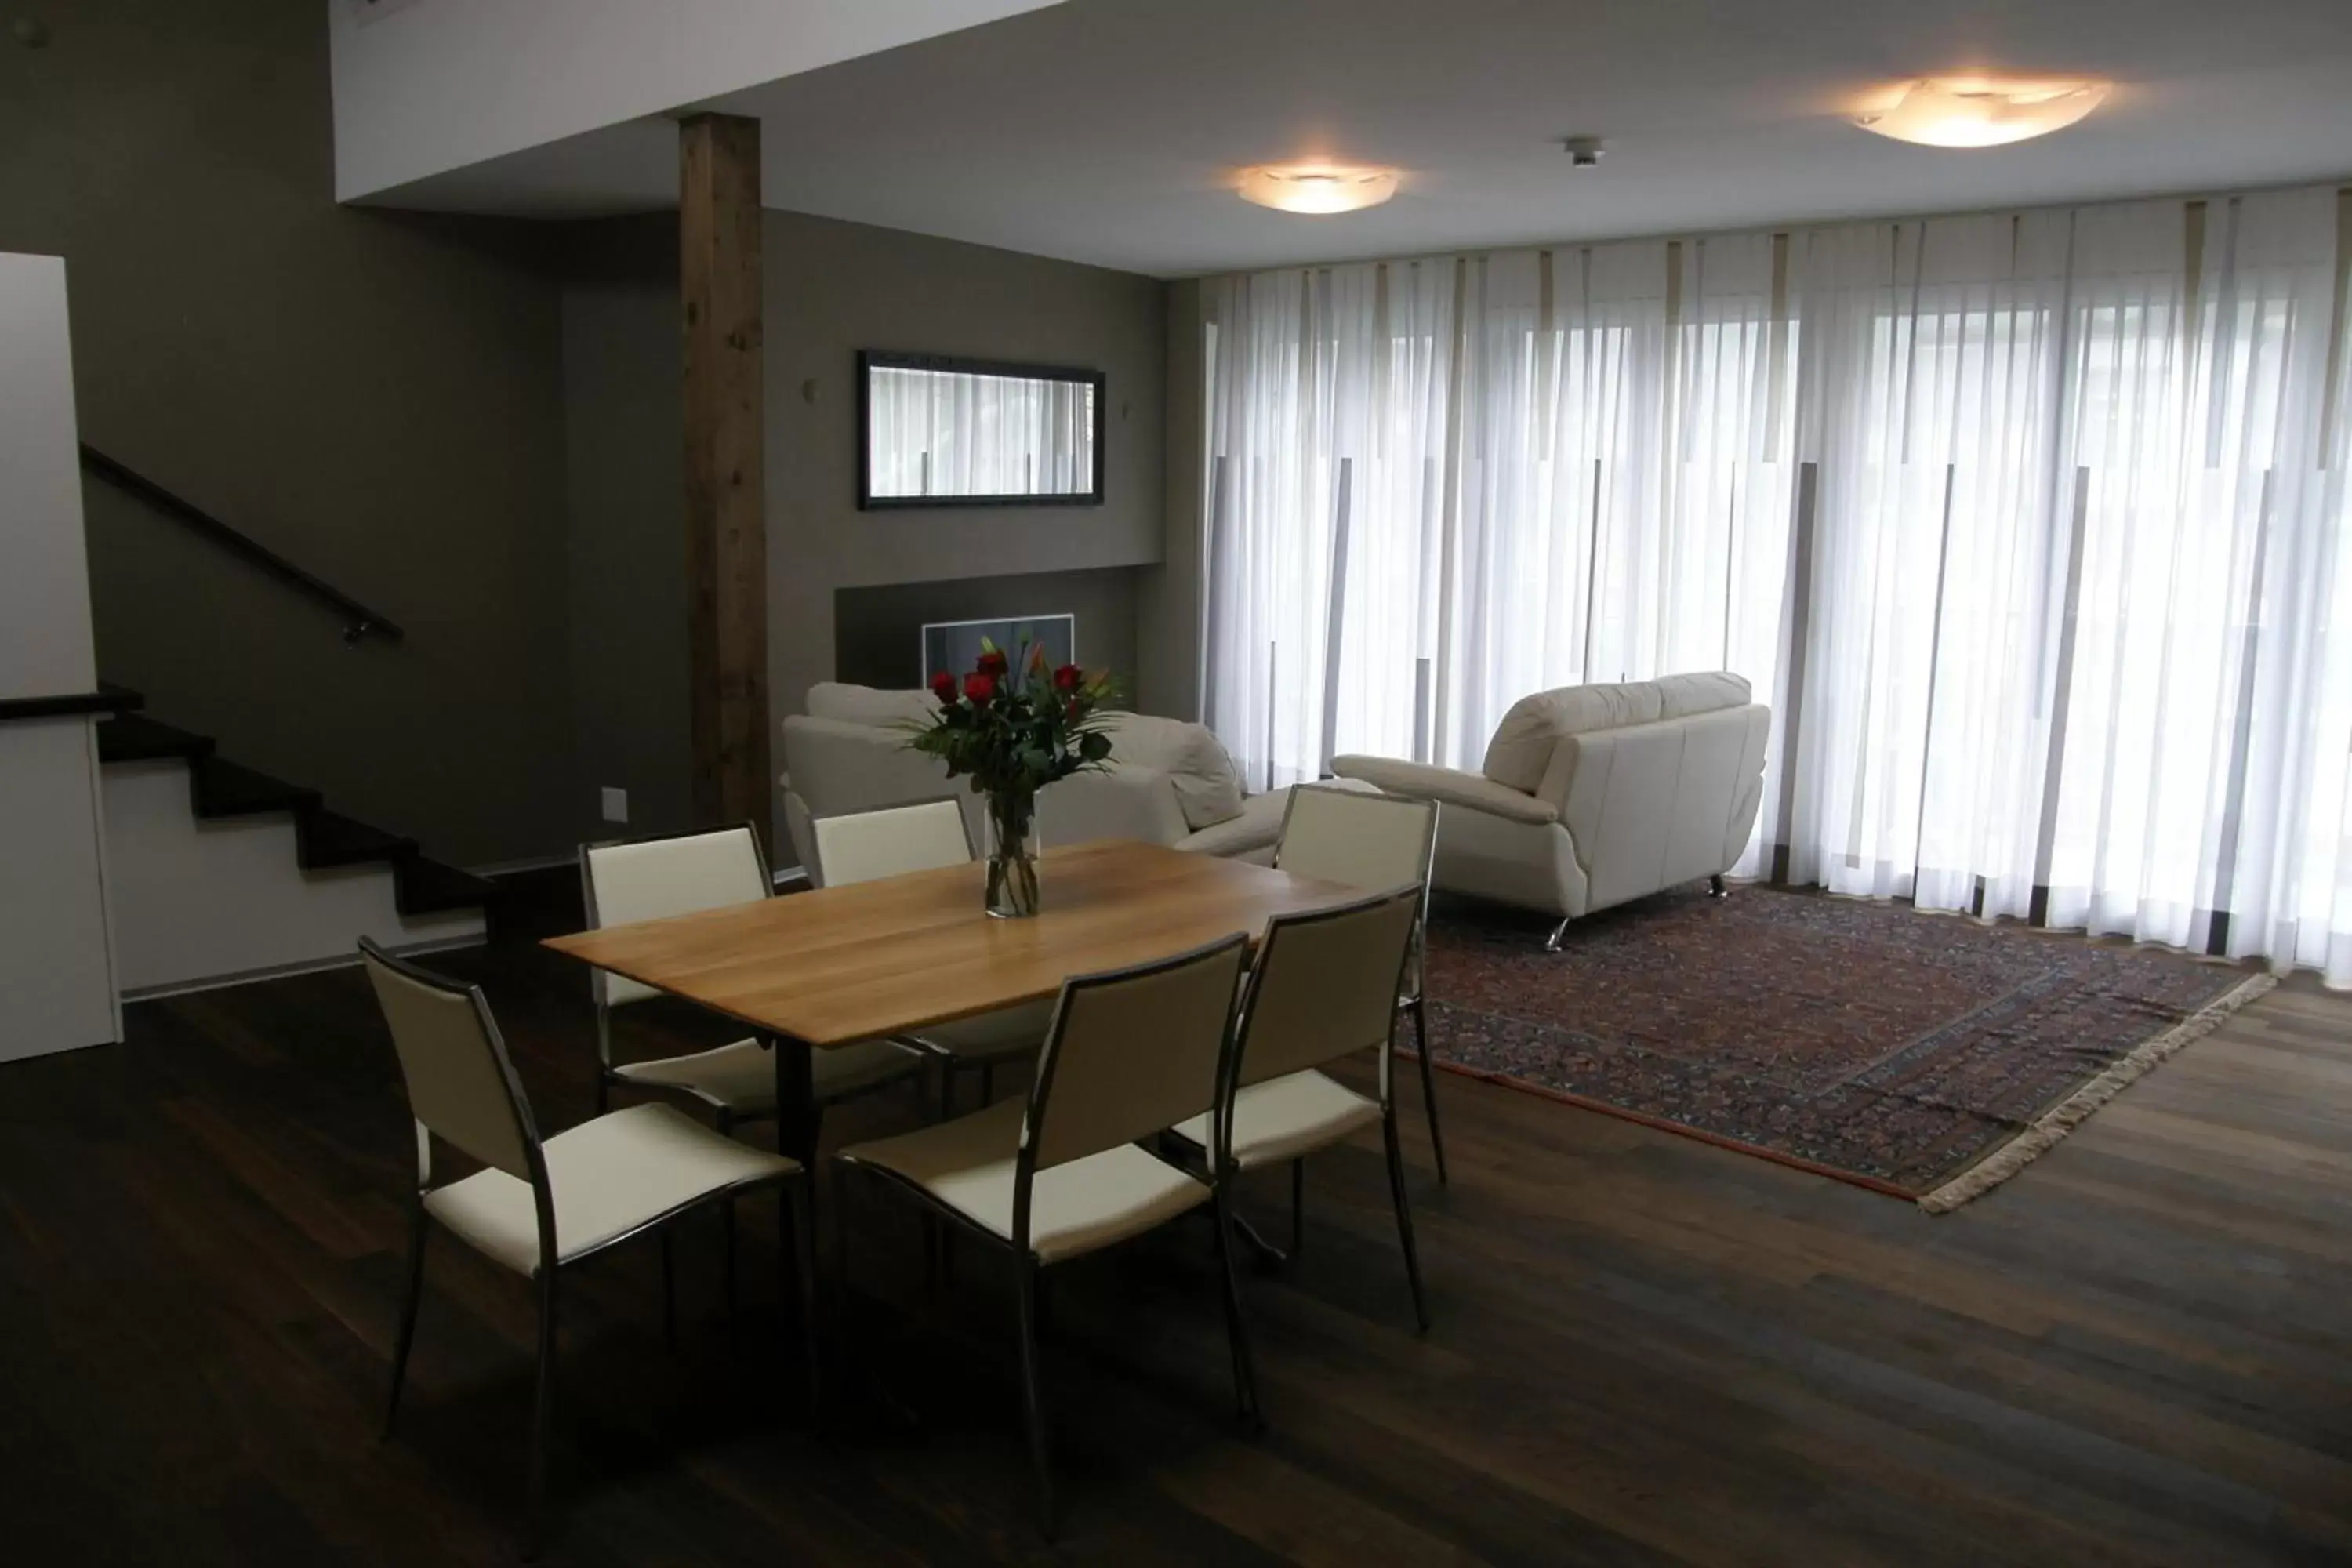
[
  {"x": 1716, "y": 889},
  {"x": 1558, "y": 934}
]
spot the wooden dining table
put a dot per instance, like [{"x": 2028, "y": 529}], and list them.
[{"x": 833, "y": 966}]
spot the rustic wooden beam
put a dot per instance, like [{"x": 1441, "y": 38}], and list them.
[{"x": 726, "y": 491}]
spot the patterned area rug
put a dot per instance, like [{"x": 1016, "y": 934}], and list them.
[{"x": 1924, "y": 1056}]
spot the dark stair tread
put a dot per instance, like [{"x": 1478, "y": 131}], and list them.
[
  {"x": 322, "y": 838},
  {"x": 330, "y": 838},
  {"x": 225, "y": 789},
  {"x": 422, "y": 887},
  {"x": 136, "y": 738}
]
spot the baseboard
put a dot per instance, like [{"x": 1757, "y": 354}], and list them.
[{"x": 286, "y": 971}]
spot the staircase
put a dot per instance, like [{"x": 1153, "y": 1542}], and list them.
[{"x": 216, "y": 873}]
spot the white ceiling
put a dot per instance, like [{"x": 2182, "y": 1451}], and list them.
[{"x": 1109, "y": 130}]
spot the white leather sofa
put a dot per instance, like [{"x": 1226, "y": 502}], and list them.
[
  {"x": 1591, "y": 795},
  {"x": 1169, "y": 781}
]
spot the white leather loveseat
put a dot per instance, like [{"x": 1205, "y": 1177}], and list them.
[
  {"x": 1591, "y": 795},
  {"x": 1169, "y": 782}
]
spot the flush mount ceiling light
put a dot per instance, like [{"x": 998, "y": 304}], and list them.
[
  {"x": 1982, "y": 111},
  {"x": 1317, "y": 187}
]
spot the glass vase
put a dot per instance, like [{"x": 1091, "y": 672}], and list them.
[{"x": 1012, "y": 853}]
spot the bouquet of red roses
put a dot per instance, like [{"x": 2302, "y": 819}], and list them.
[{"x": 1015, "y": 733}]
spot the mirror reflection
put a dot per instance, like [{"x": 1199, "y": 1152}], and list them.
[{"x": 946, "y": 432}]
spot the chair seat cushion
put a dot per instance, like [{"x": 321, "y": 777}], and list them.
[
  {"x": 991, "y": 1036},
  {"x": 967, "y": 1165},
  {"x": 1284, "y": 1118},
  {"x": 608, "y": 1177},
  {"x": 742, "y": 1078}
]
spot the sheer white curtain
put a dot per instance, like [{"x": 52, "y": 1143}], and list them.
[
  {"x": 943, "y": 433},
  {"x": 1433, "y": 487},
  {"x": 2031, "y": 526}
]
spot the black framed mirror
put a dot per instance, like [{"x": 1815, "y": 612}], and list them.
[{"x": 938, "y": 431}]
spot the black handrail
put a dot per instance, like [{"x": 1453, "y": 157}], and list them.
[{"x": 359, "y": 621}]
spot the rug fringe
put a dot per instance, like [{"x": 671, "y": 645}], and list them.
[{"x": 2076, "y": 1109}]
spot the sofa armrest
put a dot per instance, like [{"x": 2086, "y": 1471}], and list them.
[
  {"x": 1448, "y": 786},
  {"x": 1125, "y": 802}
]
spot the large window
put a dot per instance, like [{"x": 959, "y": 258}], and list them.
[{"x": 2038, "y": 521}]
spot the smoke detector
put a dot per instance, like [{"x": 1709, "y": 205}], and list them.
[{"x": 1583, "y": 152}]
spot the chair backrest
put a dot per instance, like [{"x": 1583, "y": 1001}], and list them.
[
  {"x": 860, "y": 846},
  {"x": 1366, "y": 841},
  {"x": 1131, "y": 1052},
  {"x": 651, "y": 878},
  {"x": 1357, "y": 838},
  {"x": 461, "y": 1087},
  {"x": 1325, "y": 985}
]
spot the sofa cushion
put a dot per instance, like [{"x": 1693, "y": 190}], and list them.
[
  {"x": 1522, "y": 744},
  {"x": 1208, "y": 785},
  {"x": 870, "y": 706},
  {"x": 1681, "y": 695}
]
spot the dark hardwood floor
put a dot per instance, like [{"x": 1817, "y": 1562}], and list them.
[{"x": 1646, "y": 1350}]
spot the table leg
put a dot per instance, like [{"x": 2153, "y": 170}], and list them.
[
  {"x": 796, "y": 1134},
  {"x": 796, "y": 1120}
]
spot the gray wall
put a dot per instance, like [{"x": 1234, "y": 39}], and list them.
[
  {"x": 837, "y": 287},
  {"x": 833, "y": 289},
  {"x": 372, "y": 394},
  {"x": 624, "y": 470}
]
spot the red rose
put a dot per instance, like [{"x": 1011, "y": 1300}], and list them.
[
  {"x": 943, "y": 686},
  {"x": 980, "y": 686},
  {"x": 1067, "y": 678},
  {"x": 992, "y": 663}
]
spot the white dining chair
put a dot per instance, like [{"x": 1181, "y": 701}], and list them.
[
  {"x": 891, "y": 841},
  {"x": 1371, "y": 841},
  {"x": 1323, "y": 987},
  {"x": 542, "y": 1206},
  {"x": 1062, "y": 1173},
  {"x": 681, "y": 873}
]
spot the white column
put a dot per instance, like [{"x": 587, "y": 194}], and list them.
[{"x": 56, "y": 964}]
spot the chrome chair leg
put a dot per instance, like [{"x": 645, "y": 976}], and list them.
[
  {"x": 1403, "y": 1214},
  {"x": 669, "y": 1291},
  {"x": 796, "y": 1250},
  {"x": 1297, "y": 1205},
  {"x": 542, "y": 1413},
  {"x": 1032, "y": 1403},
  {"x": 1237, "y": 1345},
  {"x": 407, "y": 1336},
  {"x": 726, "y": 1123},
  {"x": 1428, "y": 1084}
]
